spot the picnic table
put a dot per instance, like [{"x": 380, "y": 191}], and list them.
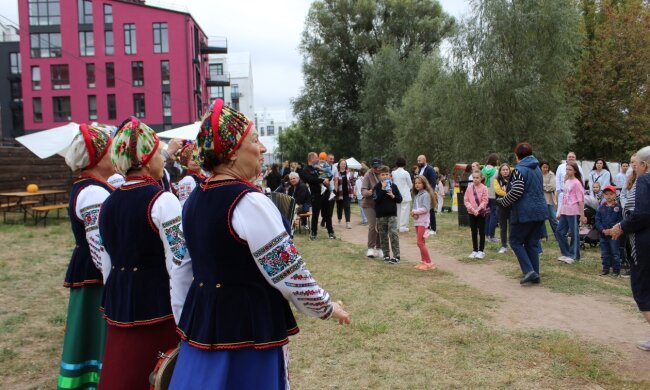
[{"x": 23, "y": 200}]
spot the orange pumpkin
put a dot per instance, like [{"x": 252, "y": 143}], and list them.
[{"x": 32, "y": 188}]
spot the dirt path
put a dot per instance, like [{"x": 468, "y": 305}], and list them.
[{"x": 536, "y": 307}]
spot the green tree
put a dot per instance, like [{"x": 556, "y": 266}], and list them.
[
  {"x": 341, "y": 38},
  {"x": 612, "y": 85},
  {"x": 294, "y": 143}
]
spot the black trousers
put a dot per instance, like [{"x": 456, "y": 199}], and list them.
[
  {"x": 343, "y": 205},
  {"x": 432, "y": 219},
  {"x": 320, "y": 206},
  {"x": 477, "y": 224},
  {"x": 504, "y": 218}
]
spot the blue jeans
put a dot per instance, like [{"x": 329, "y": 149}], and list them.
[
  {"x": 491, "y": 220},
  {"x": 568, "y": 225},
  {"x": 364, "y": 220},
  {"x": 552, "y": 220},
  {"x": 524, "y": 241},
  {"x": 610, "y": 253}
]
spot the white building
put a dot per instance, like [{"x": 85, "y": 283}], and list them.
[
  {"x": 270, "y": 124},
  {"x": 231, "y": 79}
]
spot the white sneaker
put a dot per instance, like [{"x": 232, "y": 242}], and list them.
[
  {"x": 433, "y": 232},
  {"x": 370, "y": 253},
  {"x": 503, "y": 249},
  {"x": 566, "y": 259},
  {"x": 480, "y": 255},
  {"x": 473, "y": 255},
  {"x": 379, "y": 253},
  {"x": 403, "y": 230}
]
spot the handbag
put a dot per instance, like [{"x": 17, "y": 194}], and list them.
[{"x": 484, "y": 212}]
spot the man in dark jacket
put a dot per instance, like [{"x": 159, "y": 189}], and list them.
[
  {"x": 427, "y": 171},
  {"x": 319, "y": 201},
  {"x": 527, "y": 216}
]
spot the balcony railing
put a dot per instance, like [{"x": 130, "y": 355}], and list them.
[
  {"x": 215, "y": 45},
  {"x": 219, "y": 80}
]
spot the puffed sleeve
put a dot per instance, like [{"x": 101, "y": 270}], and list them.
[
  {"x": 88, "y": 205},
  {"x": 258, "y": 221},
  {"x": 166, "y": 216}
]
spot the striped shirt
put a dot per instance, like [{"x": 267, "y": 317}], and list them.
[{"x": 516, "y": 190}]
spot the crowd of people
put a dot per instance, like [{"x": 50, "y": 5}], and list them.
[{"x": 155, "y": 251}]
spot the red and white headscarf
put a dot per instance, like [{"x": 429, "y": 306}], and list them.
[{"x": 89, "y": 146}]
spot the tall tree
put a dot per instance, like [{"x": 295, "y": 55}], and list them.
[
  {"x": 294, "y": 144},
  {"x": 341, "y": 38},
  {"x": 612, "y": 86}
]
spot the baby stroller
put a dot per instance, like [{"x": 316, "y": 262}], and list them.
[{"x": 589, "y": 235}]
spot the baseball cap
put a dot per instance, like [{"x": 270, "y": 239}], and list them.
[
  {"x": 610, "y": 188},
  {"x": 376, "y": 162}
]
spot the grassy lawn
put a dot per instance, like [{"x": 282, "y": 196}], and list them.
[{"x": 411, "y": 330}]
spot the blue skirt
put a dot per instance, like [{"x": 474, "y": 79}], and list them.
[{"x": 245, "y": 368}]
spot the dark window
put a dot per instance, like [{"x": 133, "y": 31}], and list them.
[
  {"x": 86, "y": 43},
  {"x": 130, "y": 46},
  {"x": 109, "y": 46},
  {"x": 138, "y": 105},
  {"x": 61, "y": 105},
  {"x": 137, "y": 73},
  {"x": 14, "y": 63},
  {"x": 17, "y": 118},
  {"x": 108, "y": 13},
  {"x": 164, "y": 72},
  {"x": 279, "y": 130},
  {"x": 45, "y": 45},
  {"x": 269, "y": 130},
  {"x": 110, "y": 74},
  {"x": 262, "y": 131},
  {"x": 85, "y": 8},
  {"x": 90, "y": 75},
  {"x": 160, "y": 38},
  {"x": 44, "y": 12},
  {"x": 36, "y": 108},
  {"x": 92, "y": 107},
  {"x": 167, "y": 104},
  {"x": 216, "y": 70},
  {"x": 36, "y": 78},
  {"x": 234, "y": 92},
  {"x": 60, "y": 76},
  {"x": 16, "y": 93},
  {"x": 112, "y": 106},
  {"x": 216, "y": 93}
]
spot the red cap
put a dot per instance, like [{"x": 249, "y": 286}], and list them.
[{"x": 610, "y": 188}]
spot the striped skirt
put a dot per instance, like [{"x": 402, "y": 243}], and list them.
[{"x": 85, "y": 336}]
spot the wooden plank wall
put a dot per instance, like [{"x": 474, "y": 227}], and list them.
[{"x": 20, "y": 167}]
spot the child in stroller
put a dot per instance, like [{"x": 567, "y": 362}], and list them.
[{"x": 589, "y": 235}]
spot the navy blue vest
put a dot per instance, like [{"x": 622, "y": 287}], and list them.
[
  {"x": 81, "y": 270},
  {"x": 531, "y": 207},
  {"x": 229, "y": 304},
  {"x": 137, "y": 289}
]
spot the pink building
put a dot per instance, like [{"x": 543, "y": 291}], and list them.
[{"x": 106, "y": 60}]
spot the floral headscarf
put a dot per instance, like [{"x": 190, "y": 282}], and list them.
[
  {"x": 88, "y": 146},
  {"x": 189, "y": 152},
  {"x": 222, "y": 131},
  {"x": 134, "y": 146}
]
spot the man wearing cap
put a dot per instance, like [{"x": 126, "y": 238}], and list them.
[
  {"x": 427, "y": 171},
  {"x": 609, "y": 214},
  {"x": 370, "y": 180}
]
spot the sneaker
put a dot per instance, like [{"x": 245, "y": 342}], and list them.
[
  {"x": 566, "y": 259},
  {"x": 312, "y": 237},
  {"x": 386, "y": 259},
  {"x": 348, "y": 226},
  {"x": 394, "y": 260},
  {"x": 626, "y": 274},
  {"x": 643, "y": 345},
  {"x": 503, "y": 249},
  {"x": 332, "y": 196},
  {"x": 616, "y": 274},
  {"x": 379, "y": 253},
  {"x": 432, "y": 232},
  {"x": 331, "y": 236},
  {"x": 370, "y": 253},
  {"x": 473, "y": 255},
  {"x": 604, "y": 272},
  {"x": 480, "y": 254}
]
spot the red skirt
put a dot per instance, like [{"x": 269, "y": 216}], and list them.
[{"x": 132, "y": 353}]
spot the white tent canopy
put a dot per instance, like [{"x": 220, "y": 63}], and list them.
[
  {"x": 353, "y": 163},
  {"x": 47, "y": 143},
  {"x": 188, "y": 132}
]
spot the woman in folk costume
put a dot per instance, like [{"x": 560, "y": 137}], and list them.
[
  {"x": 85, "y": 331},
  {"x": 140, "y": 225},
  {"x": 189, "y": 159},
  {"x": 236, "y": 319}
]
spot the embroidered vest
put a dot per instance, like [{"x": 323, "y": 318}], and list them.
[
  {"x": 229, "y": 304},
  {"x": 137, "y": 288},
  {"x": 81, "y": 269}
]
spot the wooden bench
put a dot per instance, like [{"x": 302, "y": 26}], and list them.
[
  {"x": 22, "y": 206},
  {"x": 38, "y": 210},
  {"x": 298, "y": 221}
]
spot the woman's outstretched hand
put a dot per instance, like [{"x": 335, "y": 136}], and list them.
[{"x": 340, "y": 314}]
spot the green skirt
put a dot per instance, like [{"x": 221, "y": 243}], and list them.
[{"x": 85, "y": 335}]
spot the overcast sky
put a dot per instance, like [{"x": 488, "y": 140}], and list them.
[{"x": 269, "y": 30}]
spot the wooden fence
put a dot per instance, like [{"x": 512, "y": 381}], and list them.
[{"x": 20, "y": 167}]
